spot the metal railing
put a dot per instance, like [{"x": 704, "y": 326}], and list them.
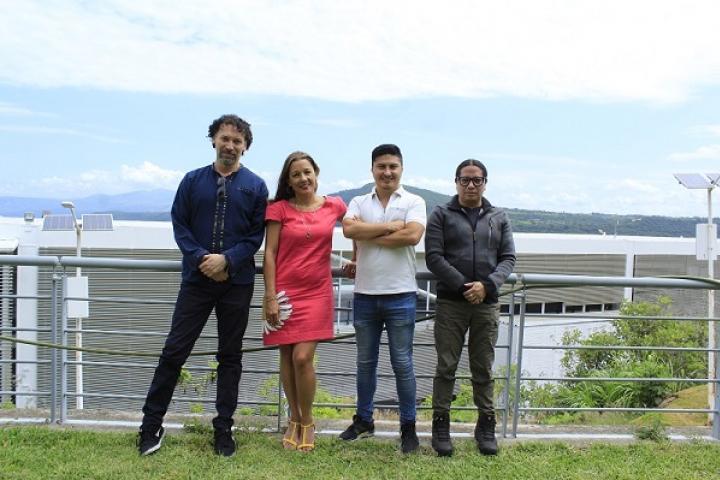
[{"x": 510, "y": 406}]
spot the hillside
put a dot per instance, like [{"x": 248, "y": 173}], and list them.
[
  {"x": 539, "y": 221},
  {"x": 155, "y": 205}
]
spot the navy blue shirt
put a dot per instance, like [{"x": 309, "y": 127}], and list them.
[{"x": 230, "y": 220}]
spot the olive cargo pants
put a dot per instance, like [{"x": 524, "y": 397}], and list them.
[{"x": 452, "y": 321}]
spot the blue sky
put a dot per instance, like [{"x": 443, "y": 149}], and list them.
[{"x": 574, "y": 106}]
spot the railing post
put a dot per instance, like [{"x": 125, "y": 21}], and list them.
[
  {"x": 427, "y": 297},
  {"x": 518, "y": 370},
  {"x": 716, "y": 389},
  {"x": 56, "y": 278},
  {"x": 338, "y": 312},
  {"x": 508, "y": 373},
  {"x": 63, "y": 353},
  {"x": 279, "y": 407}
]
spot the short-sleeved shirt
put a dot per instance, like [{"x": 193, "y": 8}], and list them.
[{"x": 383, "y": 270}]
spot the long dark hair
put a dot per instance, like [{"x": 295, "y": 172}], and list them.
[
  {"x": 471, "y": 162},
  {"x": 284, "y": 190}
]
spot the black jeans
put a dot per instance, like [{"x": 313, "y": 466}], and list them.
[{"x": 192, "y": 309}]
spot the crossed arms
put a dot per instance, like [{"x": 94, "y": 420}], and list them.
[{"x": 389, "y": 234}]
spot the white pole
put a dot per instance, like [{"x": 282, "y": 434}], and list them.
[
  {"x": 711, "y": 303},
  {"x": 79, "y": 384}
]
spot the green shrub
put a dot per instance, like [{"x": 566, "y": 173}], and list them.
[
  {"x": 589, "y": 363},
  {"x": 633, "y": 363},
  {"x": 268, "y": 390},
  {"x": 198, "y": 385},
  {"x": 654, "y": 432}
]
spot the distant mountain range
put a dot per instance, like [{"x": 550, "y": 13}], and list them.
[
  {"x": 125, "y": 206},
  {"x": 155, "y": 205}
]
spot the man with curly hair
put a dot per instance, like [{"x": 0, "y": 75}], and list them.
[{"x": 218, "y": 218}]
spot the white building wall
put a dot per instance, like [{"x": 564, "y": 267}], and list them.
[{"x": 27, "y": 286}]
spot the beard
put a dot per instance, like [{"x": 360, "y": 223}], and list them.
[{"x": 228, "y": 160}]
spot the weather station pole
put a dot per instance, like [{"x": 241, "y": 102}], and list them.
[
  {"x": 79, "y": 384},
  {"x": 77, "y": 286},
  {"x": 708, "y": 181},
  {"x": 711, "y": 233},
  {"x": 712, "y": 325}
]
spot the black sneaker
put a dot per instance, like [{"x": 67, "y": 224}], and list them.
[
  {"x": 485, "y": 434},
  {"x": 359, "y": 429},
  {"x": 224, "y": 443},
  {"x": 441, "y": 441},
  {"x": 408, "y": 438},
  {"x": 149, "y": 442}
]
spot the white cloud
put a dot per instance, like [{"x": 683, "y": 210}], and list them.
[
  {"x": 348, "y": 184},
  {"x": 31, "y": 129},
  {"x": 647, "y": 50},
  {"x": 711, "y": 130},
  {"x": 332, "y": 186},
  {"x": 151, "y": 175},
  {"x": 146, "y": 176},
  {"x": 544, "y": 160},
  {"x": 335, "y": 122},
  {"x": 10, "y": 109},
  {"x": 706, "y": 152},
  {"x": 636, "y": 186},
  {"x": 442, "y": 185},
  {"x": 613, "y": 190}
]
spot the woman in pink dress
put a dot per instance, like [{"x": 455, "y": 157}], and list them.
[{"x": 298, "y": 243}]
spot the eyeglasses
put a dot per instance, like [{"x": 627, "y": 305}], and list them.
[
  {"x": 221, "y": 190},
  {"x": 465, "y": 181}
]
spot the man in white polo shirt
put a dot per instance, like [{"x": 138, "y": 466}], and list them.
[{"x": 385, "y": 225}]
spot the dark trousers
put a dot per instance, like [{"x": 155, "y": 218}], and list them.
[
  {"x": 453, "y": 319},
  {"x": 194, "y": 304}
]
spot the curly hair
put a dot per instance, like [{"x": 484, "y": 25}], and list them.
[
  {"x": 230, "y": 119},
  {"x": 284, "y": 190}
]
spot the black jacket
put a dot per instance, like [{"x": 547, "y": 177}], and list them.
[{"x": 457, "y": 254}]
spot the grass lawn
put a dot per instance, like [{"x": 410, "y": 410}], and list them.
[
  {"x": 54, "y": 453},
  {"x": 695, "y": 397}
]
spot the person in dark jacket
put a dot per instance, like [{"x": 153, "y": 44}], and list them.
[
  {"x": 218, "y": 218},
  {"x": 469, "y": 247}
]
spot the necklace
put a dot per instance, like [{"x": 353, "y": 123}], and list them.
[
  {"x": 306, "y": 225},
  {"x": 308, "y": 235}
]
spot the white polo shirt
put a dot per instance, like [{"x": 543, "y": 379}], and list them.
[{"x": 384, "y": 270}]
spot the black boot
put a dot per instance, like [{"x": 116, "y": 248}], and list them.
[
  {"x": 408, "y": 438},
  {"x": 224, "y": 443},
  {"x": 485, "y": 434},
  {"x": 441, "y": 441}
]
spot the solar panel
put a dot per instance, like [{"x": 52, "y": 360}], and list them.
[
  {"x": 714, "y": 177},
  {"x": 97, "y": 222},
  {"x": 58, "y": 223},
  {"x": 693, "y": 180}
]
